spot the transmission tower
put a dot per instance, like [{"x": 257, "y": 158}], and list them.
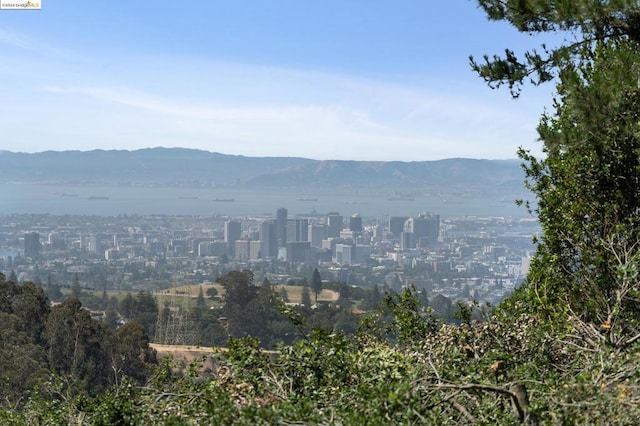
[{"x": 175, "y": 321}]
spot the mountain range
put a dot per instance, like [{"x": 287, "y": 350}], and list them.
[{"x": 179, "y": 166}]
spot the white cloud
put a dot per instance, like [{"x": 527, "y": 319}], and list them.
[{"x": 256, "y": 110}]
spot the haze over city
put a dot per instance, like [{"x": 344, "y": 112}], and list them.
[{"x": 331, "y": 80}]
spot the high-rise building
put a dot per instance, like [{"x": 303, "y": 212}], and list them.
[
  {"x": 242, "y": 249},
  {"x": 407, "y": 240},
  {"x": 268, "y": 236},
  {"x": 334, "y": 224},
  {"x": 355, "y": 223},
  {"x": 344, "y": 254},
  {"x": 425, "y": 228},
  {"x": 348, "y": 254},
  {"x": 299, "y": 251},
  {"x": 255, "y": 250},
  {"x": 297, "y": 230},
  {"x": 317, "y": 233},
  {"x": 32, "y": 244},
  {"x": 302, "y": 229},
  {"x": 396, "y": 224},
  {"x": 281, "y": 226},
  {"x": 362, "y": 254},
  {"x": 95, "y": 244},
  {"x": 232, "y": 233}
]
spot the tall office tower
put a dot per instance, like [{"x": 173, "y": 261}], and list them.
[
  {"x": 433, "y": 228},
  {"x": 302, "y": 229},
  {"x": 292, "y": 227},
  {"x": 407, "y": 240},
  {"x": 355, "y": 223},
  {"x": 32, "y": 245},
  {"x": 268, "y": 236},
  {"x": 317, "y": 233},
  {"x": 281, "y": 227},
  {"x": 334, "y": 225},
  {"x": 297, "y": 230},
  {"x": 396, "y": 224},
  {"x": 425, "y": 227},
  {"x": 232, "y": 232}
]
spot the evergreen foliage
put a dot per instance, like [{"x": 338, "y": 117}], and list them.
[
  {"x": 587, "y": 189},
  {"x": 61, "y": 350},
  {"x": 316, "y": 283}
]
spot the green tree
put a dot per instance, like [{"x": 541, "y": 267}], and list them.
[
  {"x": 586, "y": 23},
  {"x": 32, "y": 307},
  {"x": 145, "y": 311},
  {"x": 200, "y": 300},
  {"x": 239, "y": 290},
  {"x": 130, "y": 354},
  {"x": 23, "y": 363},
  {"x": 305, "y": 296},
  {"x": 284, "y": 295},
  {"x": 23, "y": 360},
  {"x": 212, "y": 292},
  {"x": 253, "y": 310},
  {"x": 442, "y": 308},
  {"x": 127, "y": 308},
  {"x": 587, "y": 188},
  {"x": 316, "y": 283},
  {"x": 76, "y": 347}
]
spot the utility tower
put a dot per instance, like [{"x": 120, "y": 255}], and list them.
[{"x": 175, "y": 324}]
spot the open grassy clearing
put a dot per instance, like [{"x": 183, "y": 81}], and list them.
[
  {"x": 170, "y": 296},
  {"x": 294, "y": 292}
]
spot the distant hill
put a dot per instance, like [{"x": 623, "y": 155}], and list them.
[
  {"x": 177, "y": 166},
  {"x": 450, "y": 173},
  {"x": 155, "y": 166}
]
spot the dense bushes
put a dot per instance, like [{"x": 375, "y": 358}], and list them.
[{"x": 401, "y": 367}]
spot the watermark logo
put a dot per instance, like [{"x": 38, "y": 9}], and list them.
[{"x": 20, "y": 5}]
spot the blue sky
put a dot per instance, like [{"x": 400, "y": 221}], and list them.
[{"x": 358, "y": 80}]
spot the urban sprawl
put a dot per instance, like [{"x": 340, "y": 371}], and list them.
[{"x": 462, "y": 258}]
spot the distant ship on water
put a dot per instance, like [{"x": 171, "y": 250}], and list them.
[
  {"x": 399, "y": 198},
  {"x": 223, "y": 200},
  {"x": 306, "y": 199}
]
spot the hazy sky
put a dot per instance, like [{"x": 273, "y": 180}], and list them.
[{"x": 330, "y": 79}]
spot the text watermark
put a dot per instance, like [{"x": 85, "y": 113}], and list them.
[{"x": 20, "y": 5}]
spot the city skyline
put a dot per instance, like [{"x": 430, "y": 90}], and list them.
[{"x": 359, "y": 81}]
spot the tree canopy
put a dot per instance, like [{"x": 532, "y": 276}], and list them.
[
  {"x": 316, "y": 283},
  {"x": 585, "y": 24},
  {"x": 587, "y": 187}
]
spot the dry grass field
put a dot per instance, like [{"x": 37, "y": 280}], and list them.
[
  {"x": 183, "y": 355},
  {"x": 293, "y": 292}
]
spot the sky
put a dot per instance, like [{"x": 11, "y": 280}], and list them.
[{"x": 333, "y": 79}]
